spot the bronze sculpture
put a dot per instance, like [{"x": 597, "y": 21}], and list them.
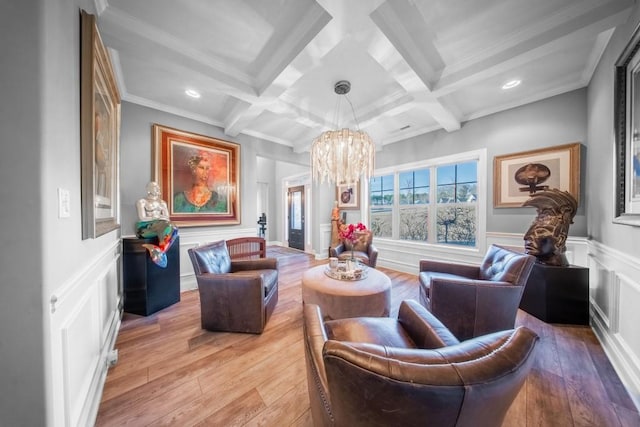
[{"x": 546, "y": 237}]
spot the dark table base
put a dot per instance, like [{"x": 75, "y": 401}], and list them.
[{"x": 558, "y": 294}]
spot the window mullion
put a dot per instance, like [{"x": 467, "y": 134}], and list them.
[
  {"x": 433, "y": 195},
  {"x": 396, "y": 207}
]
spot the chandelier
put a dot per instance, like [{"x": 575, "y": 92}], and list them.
[{"x": 342, "y": 156}]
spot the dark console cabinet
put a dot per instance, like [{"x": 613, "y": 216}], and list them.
[
  {"x": 558, "y": 294},
  {"x": 147, "y": 287}
]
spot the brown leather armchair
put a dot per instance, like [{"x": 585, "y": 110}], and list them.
[
  {"x": 476, "y": 300},
  {"x": 363, "y": 249},
  {"x": 411, "y": 371},
  {"x": 235, "y": 295}
]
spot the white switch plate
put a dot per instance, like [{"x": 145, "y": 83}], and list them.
[{"x": 64, "y": 203}]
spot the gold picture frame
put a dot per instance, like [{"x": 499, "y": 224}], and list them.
[
  {"x": 516, "y": 176},
  {"x": 199, "y": 177},
  {"x": 99, "y": 133},
  {"x": 348, "y": 196}
]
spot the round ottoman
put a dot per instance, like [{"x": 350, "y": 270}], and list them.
[{"x": 339, "y": 299}]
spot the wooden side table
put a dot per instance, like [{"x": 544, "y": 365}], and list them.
[{"x": 557, "y": 294}]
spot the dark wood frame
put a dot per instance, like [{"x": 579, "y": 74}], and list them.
[
  {"x": 569, "y": 152},
  {"x": 99, "y": 133},
  {"x": 626, "y": 210},
  {"x": 170, "y": 147}
]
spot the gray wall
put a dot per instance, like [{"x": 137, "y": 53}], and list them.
[
  {"x": 136, "y": 159},
  {"x": 558, "y": 120},
  {"x": 601, "y": 148},
  {"x": 21, "y": 270},
  {"x": 39, "y": 130}
]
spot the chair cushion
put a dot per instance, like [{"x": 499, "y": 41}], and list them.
[
  {"x": 212, "y": 258},
  {"x": 425, "y": 278},
  {"x": 372, "y": 330}
]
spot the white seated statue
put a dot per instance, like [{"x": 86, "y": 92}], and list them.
[{"x": 153, "y": 215}]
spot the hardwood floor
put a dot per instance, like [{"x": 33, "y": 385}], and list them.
[{"x": 171, "y": 372}]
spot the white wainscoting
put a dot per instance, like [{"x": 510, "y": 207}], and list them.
[
  {"x": 84, "y": 322},
  {"x": 614, "y": 291},
  {"x": 405, "y": 256},
  {"x": 325, "y": 241}
]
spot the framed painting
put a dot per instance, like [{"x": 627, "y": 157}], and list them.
[
  {"x": 199, "y": 177},
  {"x": 99, "y": 133},
  {"x": 517, "y": 176},
  {"x": 348, "y": 196},
  {"x": 627, "y": 125}
]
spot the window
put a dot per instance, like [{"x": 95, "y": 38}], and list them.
[
  {"x": 435, "y": 201},
  {"x": 456, "y": 209},
  {"x": 413, "y": 212},
  {"x": 381, "y": 199}
]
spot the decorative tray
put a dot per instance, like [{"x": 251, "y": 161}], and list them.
[{"x": 359, "y": 272}]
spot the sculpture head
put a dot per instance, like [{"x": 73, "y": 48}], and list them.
[
  {"x": 547, "y": 236},
  {"x": 153, "y": 190}
]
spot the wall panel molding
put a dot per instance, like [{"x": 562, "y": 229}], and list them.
[
  {"x": 84, "y": 322},
  {"x": 406, "y": 255},
  {"x": 614, "y": 294}
]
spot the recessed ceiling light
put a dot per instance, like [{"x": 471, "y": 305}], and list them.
[
  {"x": 192, "y": 93},
  {"x": 511, "y": 84}
]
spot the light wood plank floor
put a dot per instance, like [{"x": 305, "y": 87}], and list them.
[{"x": 171, "y": 372}]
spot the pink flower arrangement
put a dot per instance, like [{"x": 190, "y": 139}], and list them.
[{"x": 351, "y": 232}]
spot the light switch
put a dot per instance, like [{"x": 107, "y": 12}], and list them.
[{"x": 64, "y": 203}]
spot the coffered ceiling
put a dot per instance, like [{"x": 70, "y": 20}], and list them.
[{"x": 267, "y": 68}]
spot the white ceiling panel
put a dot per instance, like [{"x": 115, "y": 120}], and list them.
[{"x": 267, "y": 68}]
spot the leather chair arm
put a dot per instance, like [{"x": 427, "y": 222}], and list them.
[
  {"x": 254, "y": 264},
  {"x": 469, "y": 271},
  {"x": 336, "y": 250},
  {"x": 424, "y": 328},
  {"x": 372, "y": 253},
  {"x": 315, "y": 338},
  {"x": 229, "y": 282},
  {"x": 434, "y": 366}
]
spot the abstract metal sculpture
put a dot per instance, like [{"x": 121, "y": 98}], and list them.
[{"x": 546, "y": 237}]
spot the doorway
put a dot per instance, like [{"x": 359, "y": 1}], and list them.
[{"x": 295, "y": 207}]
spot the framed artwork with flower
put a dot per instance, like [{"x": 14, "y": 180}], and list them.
[
  {"x": 199, "y": 177},
  {"x": 348, "y": 196}
]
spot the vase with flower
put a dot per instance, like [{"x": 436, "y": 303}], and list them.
[{"x": 352, "y": 233}]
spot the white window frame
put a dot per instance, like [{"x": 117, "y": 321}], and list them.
[{"x": 479, "y": 155}]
